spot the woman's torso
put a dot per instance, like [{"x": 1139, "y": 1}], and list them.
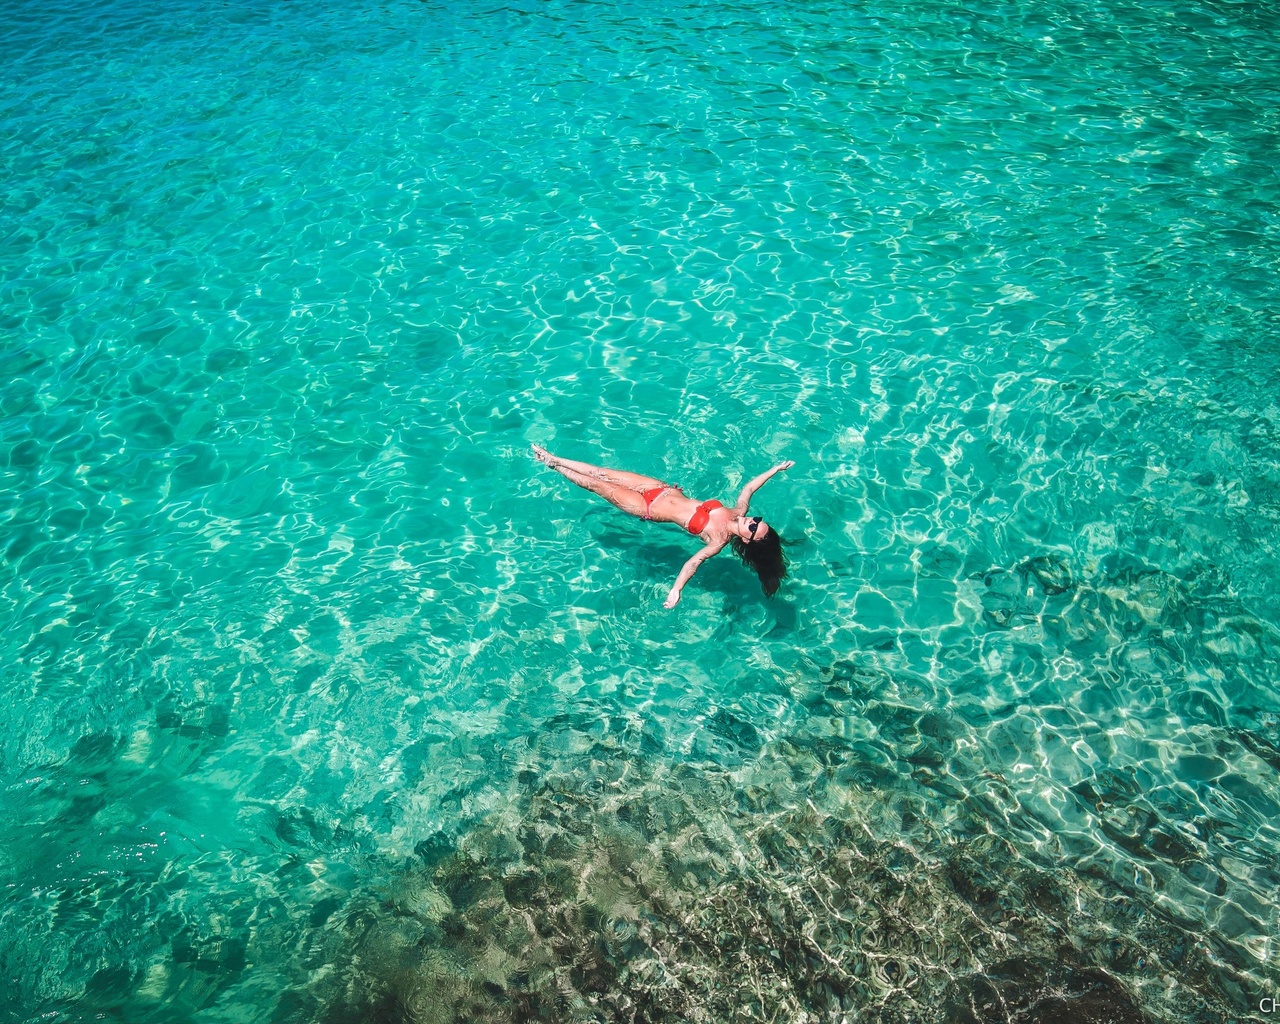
[{"x": 673, "y": 506}]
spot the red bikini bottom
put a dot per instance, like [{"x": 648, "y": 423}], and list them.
[{"x": 651, "y": 494}]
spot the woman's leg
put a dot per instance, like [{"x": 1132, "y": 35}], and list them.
[
  {"x": 626, "y": 498},
  {"x": 614, "y": 476}
]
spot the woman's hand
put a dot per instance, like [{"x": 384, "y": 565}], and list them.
[
  {"x": 673, "y": 599},
  {"x": 784, "y": 465}
]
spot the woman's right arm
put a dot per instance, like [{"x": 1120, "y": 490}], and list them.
[{"x": 744, "y": 499}]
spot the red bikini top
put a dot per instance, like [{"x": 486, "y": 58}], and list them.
[{"x": 701, "y": 514}]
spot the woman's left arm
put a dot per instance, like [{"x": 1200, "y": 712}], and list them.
[
  {"x": 744, "y": 499},
  {"x": 686, "y": 574}
]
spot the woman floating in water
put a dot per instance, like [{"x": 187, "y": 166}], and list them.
[{"x": 716, "y": 526}]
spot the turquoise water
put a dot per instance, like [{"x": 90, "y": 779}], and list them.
[{"x": 326, "y": 703}]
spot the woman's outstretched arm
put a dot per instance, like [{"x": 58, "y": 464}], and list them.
[
  {"x": 686, "y": 574},
  {"x": 744, "y": 499}
]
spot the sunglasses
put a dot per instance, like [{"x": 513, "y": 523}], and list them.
[{"x": 754, "y": 525}]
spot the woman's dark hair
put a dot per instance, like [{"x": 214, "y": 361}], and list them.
[{"x": 765, "y": 557}]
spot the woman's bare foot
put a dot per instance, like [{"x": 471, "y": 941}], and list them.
[{"x": 543, "y": 456}]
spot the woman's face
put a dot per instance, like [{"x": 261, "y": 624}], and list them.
[{"x": 752, "y": 528}]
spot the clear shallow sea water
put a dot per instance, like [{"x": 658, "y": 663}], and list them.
[{"x": 323, "y": 702}]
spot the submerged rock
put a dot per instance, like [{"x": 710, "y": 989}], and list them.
[
  {"x": 662, "y": 901},
  {"x": 1029, "y": 991},
  {"x": 1051, "y": 571}
]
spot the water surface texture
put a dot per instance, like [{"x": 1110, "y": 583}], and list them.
[{"x": 324, "y": 702}]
